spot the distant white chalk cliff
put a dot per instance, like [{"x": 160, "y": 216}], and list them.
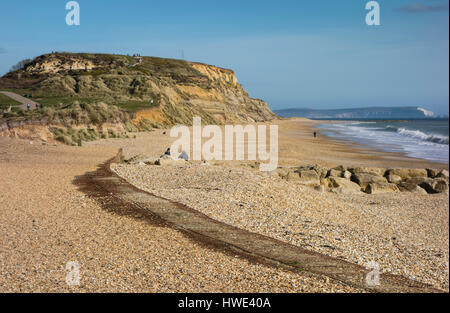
[{"x": 355, "y": 113}]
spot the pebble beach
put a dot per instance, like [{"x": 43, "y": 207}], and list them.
[
  {"x": 407, "y": 235},
  {"x": 47, "y": 221}
]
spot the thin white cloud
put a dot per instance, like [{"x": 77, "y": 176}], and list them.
[{"x": 418, "y": 7}]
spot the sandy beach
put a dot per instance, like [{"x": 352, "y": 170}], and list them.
[
  {"x": 297, "y": 146},
  {"x": 46, "y": 221}
]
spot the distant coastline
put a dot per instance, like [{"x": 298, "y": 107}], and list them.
[{"x": 369, "y": 113}]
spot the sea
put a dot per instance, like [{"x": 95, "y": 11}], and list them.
[{"x": 425, "y": 139}]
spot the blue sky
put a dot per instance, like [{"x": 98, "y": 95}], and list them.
[{"x": 316, "y": 54}]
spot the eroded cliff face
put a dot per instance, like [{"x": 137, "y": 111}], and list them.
[
  {"x": 223, "y": 98},
  {"x": 170, "y": 91},
  {"x": 55, "y": 65}
]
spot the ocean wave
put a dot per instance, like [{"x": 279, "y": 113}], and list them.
[
  {"x": 393, "y": 138},
  {"x": 417, "y": 134}
]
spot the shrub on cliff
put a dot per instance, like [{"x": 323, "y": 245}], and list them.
[
  {"x": 21, "y": 64},
  {"x": 83, "y": 114}
]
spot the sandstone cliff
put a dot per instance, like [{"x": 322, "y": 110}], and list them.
[{"x": 164, "y": 91}]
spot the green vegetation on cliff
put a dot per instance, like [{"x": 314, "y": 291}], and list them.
[{"x": 6, "y": 102}]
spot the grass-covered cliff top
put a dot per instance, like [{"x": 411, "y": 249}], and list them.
[{"x": 51, "y": 79}]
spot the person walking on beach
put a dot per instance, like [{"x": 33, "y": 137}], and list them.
[
  {"x": 37, "y": 105},
  {"x": 315, "y": 134},
  {"x": 28, "y": 107}
]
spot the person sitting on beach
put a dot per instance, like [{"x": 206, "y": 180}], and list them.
[
  {"x": 184, "y": 156},
  {"x": 167, "y": 152}
]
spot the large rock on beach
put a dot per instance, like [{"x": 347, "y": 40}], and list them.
[
  {"x": 368, "y": 170},
  {"x": 282, "y": 171},
  {"x": 438, "y": 185},
  {"x": 408, "y": 172},
  {"x": 432, "y": 172},
  {"x": 334, "y": 173},
  {"x": 418, "y": 180},
  {"x": 141, "y": 159},
  {"x": 430, "y": 185},
  {"x": 375, "y": 188},
  {"x": 394, "y": 179},
  {"x": 305, "y": 177},
  {"x": 347, "y": 175},
  {"x": 364, "y": 179},
  {"x": 170, "y": 162},
  {"x": 321, "y": 171},
  {"x": 341, "y": 168},
  {"x": 410, "y": 187},
  {"x": 292, "y": 176},
  {"x": 343, "y": 185},
  {"x": 443, "y": 174}
]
